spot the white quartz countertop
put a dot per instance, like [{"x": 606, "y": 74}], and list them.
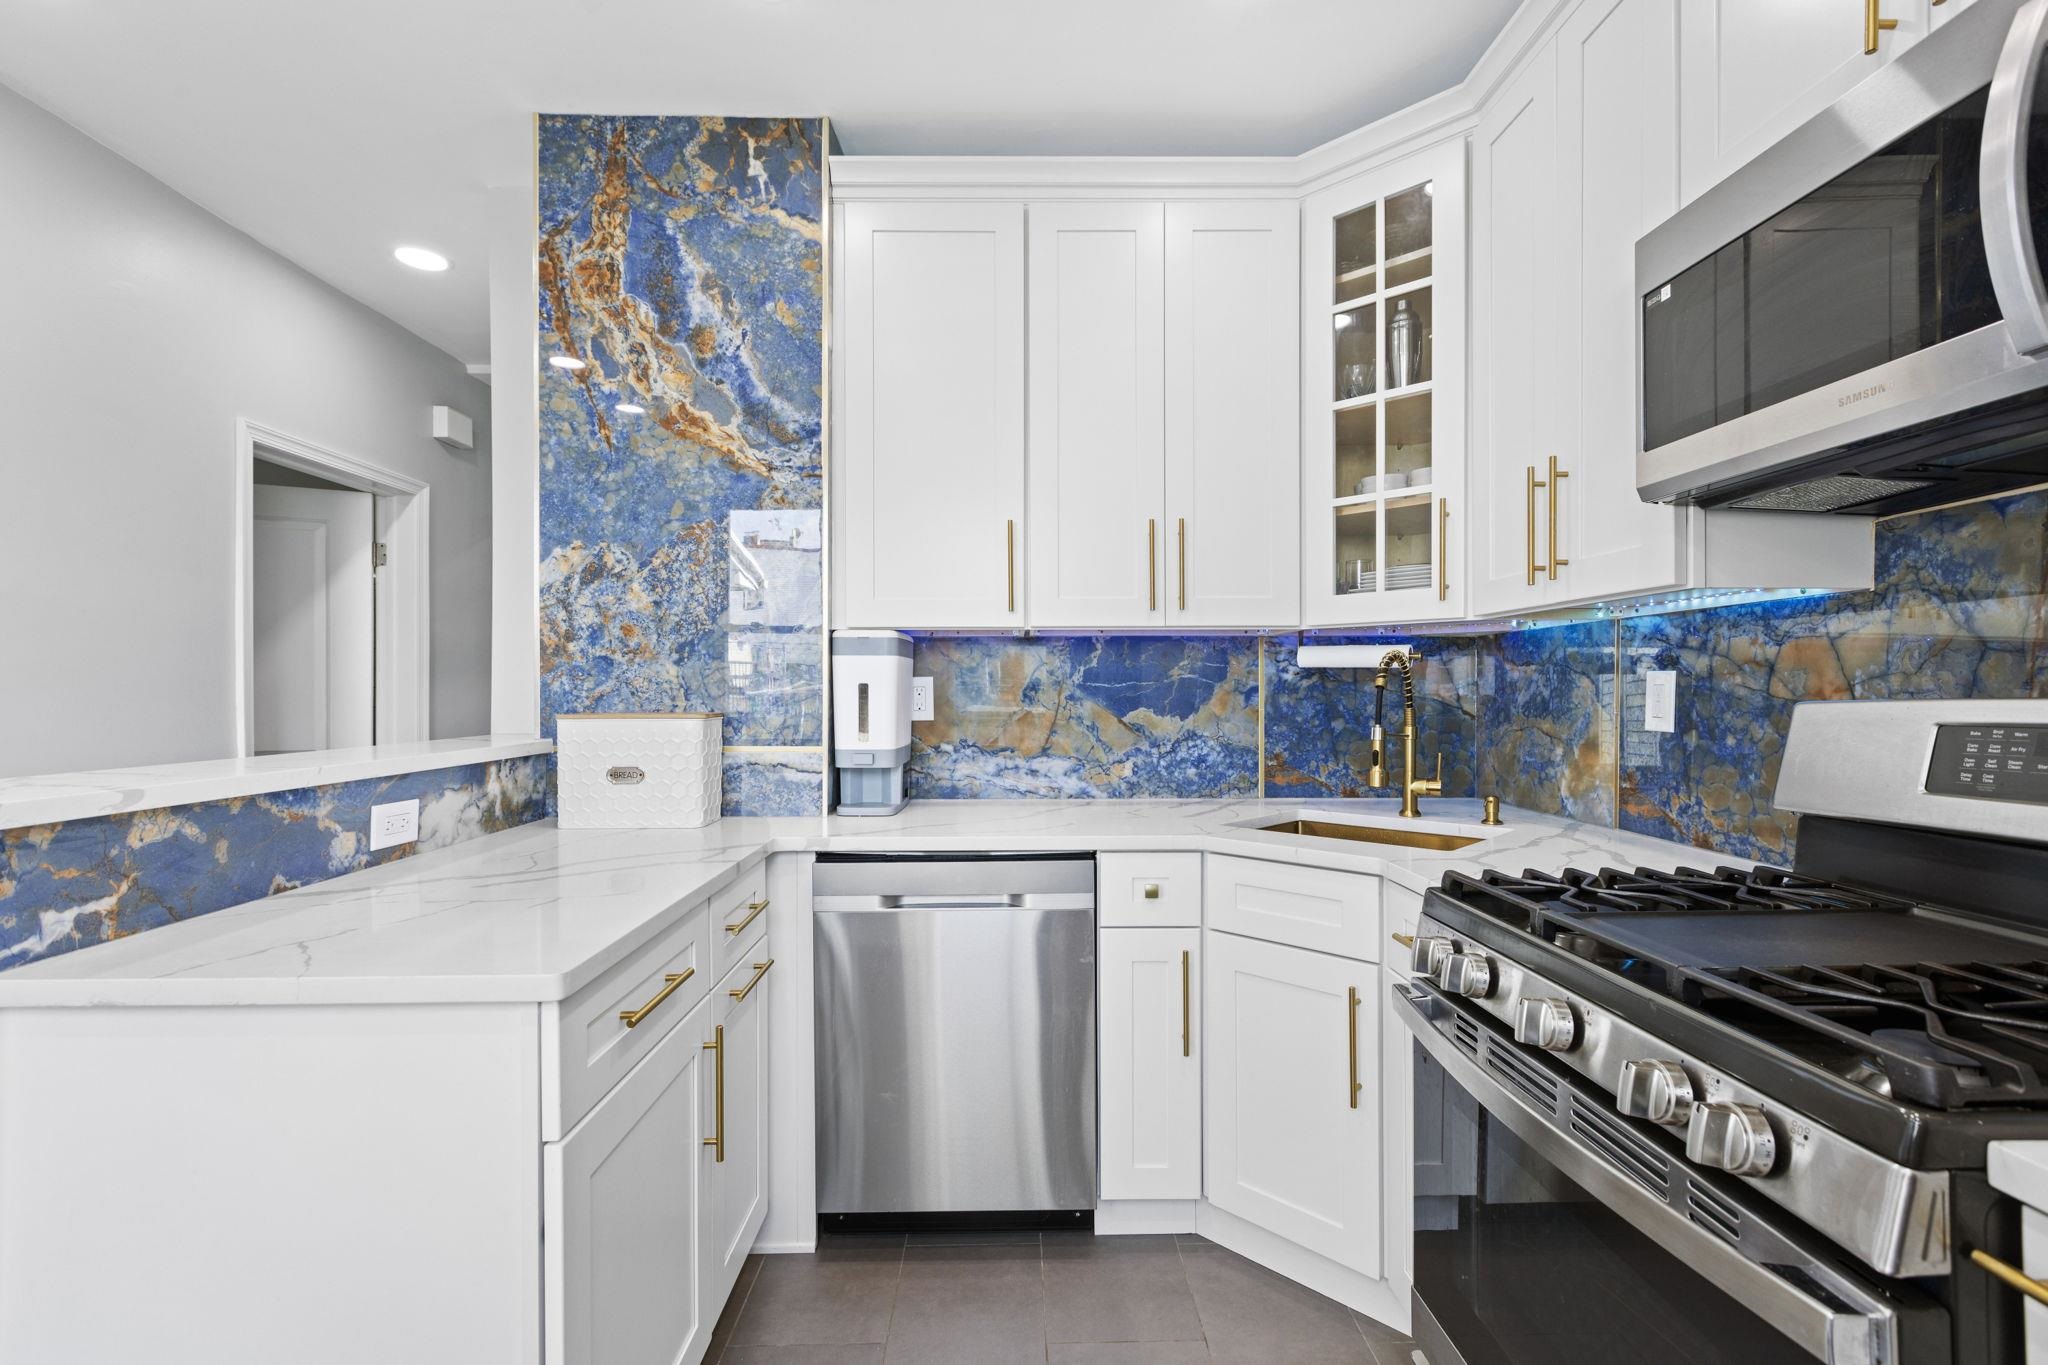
[
  {"x": 58, "y": 797},
  {"x": 536, "y": 913}
]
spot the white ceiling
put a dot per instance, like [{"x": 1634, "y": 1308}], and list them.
[{"x": 332, "y": 132}]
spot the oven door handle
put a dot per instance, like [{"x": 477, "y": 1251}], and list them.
[
  {"x": 1865, "y": 1335},
  {"x": 2002, "y": 182}
]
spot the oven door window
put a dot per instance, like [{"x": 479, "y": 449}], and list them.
[
  {"x": 1882, "y": 261},
  {"x": 1520, "y": 1266}
]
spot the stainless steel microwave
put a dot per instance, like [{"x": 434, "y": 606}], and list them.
[{"x": 1856, "y": 321}]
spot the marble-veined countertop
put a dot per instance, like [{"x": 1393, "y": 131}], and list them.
[{"x": 538, "y": 912}]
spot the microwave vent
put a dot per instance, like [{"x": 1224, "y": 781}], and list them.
[{"x": 1830, "y": 493}]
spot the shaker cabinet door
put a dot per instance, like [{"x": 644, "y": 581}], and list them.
[
  {"x": 928, "y": 422},
  {"x": 623, "y": 1203},
  {"x": 1097, "y": 458},
  {"x": 1230, "y": 551},
  {"x": 736, "y": 1080},
  {"x": 1151, "y": 1063},
  {"x": 1291, "y": 1095}
]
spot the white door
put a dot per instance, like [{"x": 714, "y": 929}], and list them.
[
  {"x": 1230, "y": 538},
  {"x": 1515, "y": 341},
  {"x": 312, "y": 610},
  {"x": 1397, "y": 1070},
  {"x": 1383, "y": 394},
  {"x": 1290, "y": 1095},
  {"x": 1945, "y": 10},
  {"x": 736, "y": 1190},
  {"x": 1096, "y": 461},
  {"x": 929, "y": 439},
  {"x": 1750, "y": 71},
  {"x": 1151, "y": 1063},
  {"x": 622, "y": 1203},
  {"x": 1617, "y": 177}
]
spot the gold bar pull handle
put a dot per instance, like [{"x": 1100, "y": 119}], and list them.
[
  {"x": 1557, "y": 478},
  {"x": 669, "y": 982},
  {"x": 1530, "y": 506},
  {"x": 1872, "y": 26},
  {"x": 1351, "y": 1022},
  {"x": 760, "y": 970},
  {"x": 1010, "y": 560},
  {"x": 1151, "y": 564},
  {"x": 716, "y": 1142},
  {"x": 1186, "y": 1010},
  {"x": 1183, "y": 534},
  {"x": 2011, "y": 1275},
  {"x": 754, "y": 909},
  {"x": 1405, "y": 940},
  {"x": 1443, "y": 549}
]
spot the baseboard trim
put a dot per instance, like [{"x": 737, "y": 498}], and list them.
[
  {"x": 1138, "y": 1217},
  {"x": 786, "y": 1248}
]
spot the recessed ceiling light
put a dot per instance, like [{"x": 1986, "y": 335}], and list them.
[
  {"x": 419, "y": 258},
  {"x": 565, "y": 362},
  {"x": 631, "y": 409}
]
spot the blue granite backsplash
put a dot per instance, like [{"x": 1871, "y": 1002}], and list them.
[
  {"x": 67, "y": 885},
  {"x": 682, "y": 299}
]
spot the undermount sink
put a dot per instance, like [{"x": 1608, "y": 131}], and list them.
[{"x": 1371, "y": 834}]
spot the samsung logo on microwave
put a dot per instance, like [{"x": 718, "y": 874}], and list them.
[{"x": 1858, "y": 395}]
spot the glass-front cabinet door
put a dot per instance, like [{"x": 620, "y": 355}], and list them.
[{"x": 1384, "y": 361}]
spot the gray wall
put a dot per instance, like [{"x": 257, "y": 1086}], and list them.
[{"x": 135, "y": 328}]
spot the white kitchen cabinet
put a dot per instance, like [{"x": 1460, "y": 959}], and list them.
[
  {"x": 1750, "y": 71},
  {"x": 1515, "y": 340},
  {"x": 1290, "y": 1096},
  {"x": 1233, "y": 451},
  {"x": 1403, "y": 910},
  {"x": 1151, "y": 1063},
  {"x": 1307, "y": 907},
  {"x": 928, "y": 422},
  {"x": 1941, "y": 12},
  {"x": 736, "y": 1180},
  {"x": 623, "y": 1203},
  {"x": 1383, "y": 375},
  {"x": 1097, "y": 408}
]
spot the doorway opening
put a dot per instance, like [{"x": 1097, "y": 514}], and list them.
[{"x": 331, "y": 598}]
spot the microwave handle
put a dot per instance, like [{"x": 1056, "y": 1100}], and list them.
[{"x": 2002, "y": 170}]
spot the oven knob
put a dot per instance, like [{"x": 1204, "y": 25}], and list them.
[
  {"x": 1429, "y": 952},
  {"x": 1466, "y": 974},
  {"x": 1548, "y": 1023},
  {"x": 1732, "y": 1137},
  {"x": 1658, "y": 1091}
]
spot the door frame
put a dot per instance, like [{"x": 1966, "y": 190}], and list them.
[{"x": 400, "y": 519}]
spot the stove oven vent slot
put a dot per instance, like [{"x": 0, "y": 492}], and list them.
[
  {"x": 1465, "y": 1034},
  {"x": 1713, "y": 1213},
  {"x": 1626, "y": 1151},
  {"x": 1524, "y": 1075}
]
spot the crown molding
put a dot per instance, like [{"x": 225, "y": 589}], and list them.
[{"x": 1426, "y": 123}]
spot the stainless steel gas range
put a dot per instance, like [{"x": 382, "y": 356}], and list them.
[{"x": 1734, "y": 1115}]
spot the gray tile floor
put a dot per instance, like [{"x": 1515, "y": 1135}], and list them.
[{"x": 1064, "y": 1298}]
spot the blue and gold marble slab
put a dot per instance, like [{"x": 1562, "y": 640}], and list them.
[
  {"x": 681, "y": 478},
  {"x": 773, "y": 782},
  {"x": 1547, "y": 720},
  {"x": 68, "y": 885},
  {"x": 1319, "y": 720},
  {"x": 1069, "y": 716}
]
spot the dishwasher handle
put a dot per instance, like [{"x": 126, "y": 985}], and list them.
[{"x": 1018, "y": 900}]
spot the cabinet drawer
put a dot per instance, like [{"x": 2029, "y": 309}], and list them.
[
  {"x": 739, "y": 919},
  {"x": 1149, "y": 890},
  {"x": 587, "y": 1048},
  {"x": 1308, "y": 907}
]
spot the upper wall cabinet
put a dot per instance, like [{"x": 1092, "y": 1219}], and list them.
[
  {"x": 1233, "y": 446},
  {"x": 1097, "y": 455},
  {"x": 1384, "y": 393},
  {"x": 928, "y": 431},
  {"x": 1752, "y": 70}
]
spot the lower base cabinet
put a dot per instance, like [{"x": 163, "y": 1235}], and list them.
[
  {"x": 653, "y": 1200},
  {"x": 1151, "y": 1063},
  {"x": 1291, "y": 1128}
]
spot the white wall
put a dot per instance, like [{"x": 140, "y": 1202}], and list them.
[{"x": 135, "y": 328}]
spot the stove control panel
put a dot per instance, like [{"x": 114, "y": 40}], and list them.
[{"x": 1999, "y": 762}]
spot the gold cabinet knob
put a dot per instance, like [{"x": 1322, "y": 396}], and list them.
[{"x": 1151, "y": 891}]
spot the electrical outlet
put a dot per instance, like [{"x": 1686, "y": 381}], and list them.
[
  {"x": 1660, "y": 700},
  {"x": 397, "y": 822},
  {"x": 920, "y": 698}
]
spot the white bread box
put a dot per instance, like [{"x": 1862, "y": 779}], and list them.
[{"x": 638, "y": 770}]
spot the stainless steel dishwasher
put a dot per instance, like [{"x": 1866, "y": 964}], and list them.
[{"x": 956, "y": 1037}]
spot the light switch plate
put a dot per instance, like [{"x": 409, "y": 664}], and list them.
[
  {"x": 1660, "y": 700},
  {"x": 397, "y": 822},
  {"x": 921, "y": 699}
]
